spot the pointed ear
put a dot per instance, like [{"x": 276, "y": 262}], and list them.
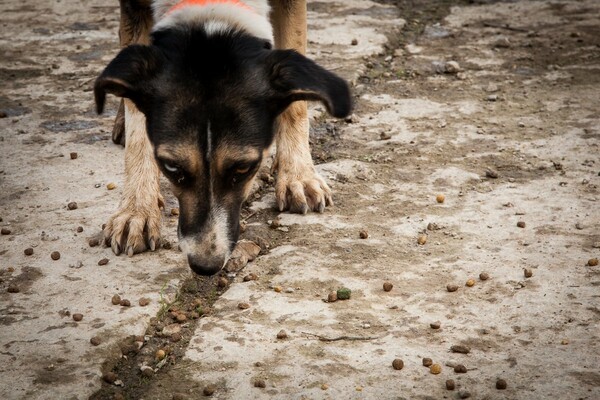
[
  {"x": 295, "y": 77},
  {"x": 129, "y": 75}
]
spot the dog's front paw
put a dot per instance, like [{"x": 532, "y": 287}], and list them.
[
  {"x": 134, "y": 228},
  {"x": 301, "y": 188}
]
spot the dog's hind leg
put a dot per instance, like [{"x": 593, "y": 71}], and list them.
[
  {"x": 299, "y": 187},
  {"x": 135, "y": 227}
]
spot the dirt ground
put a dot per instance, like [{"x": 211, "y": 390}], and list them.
[{"x": 493, "y": 105}]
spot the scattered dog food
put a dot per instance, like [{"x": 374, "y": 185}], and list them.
[
  {"x": 385, "y": 136},
  {"x": 104, "y": 261},
  {"x": 435, "y": 325},
  {"x": 72, "y": 206},
  {"x": 144, "y": 301},
  {"x": 55, "y": 255},
  {"x": 527, "y": 272},
  {"x": 324, "y": 386},
  {"x": 260, "y": 383},
  {"x": 282, "y": 334},
  {"x": 275, "y": 223},
  {"x": 176, "y": 337},
  {"x": 13, "y": 289},
  {"x": 79, "y": 229},
  {"x": 440, "y": 198},
  {"x": 109, "y": 377},
  {"x": 388, "y": 286},
  {"x": 95, "y": 341},
  {"x": 457, "y": 348},
  {"x": 160, "y": 354},
  {"x": 116, "y": 300},
  {"x": 77, "y": 317},
  {"x": 450, "y": 384},
  {"x": 222, "y": 282},
  {"x": 422, "y": 239},
  {"x": 484, "y": 276},
  {"x": 432, "y": 226},
  {"x": 343, "y": 294},
  {"x": 28, "y": 251},
  {"x": 125, "y": 303},
  {"x": 277, "y": 289},
  {"x": 243, "y": 306},
  {"x": 73, "y": 155},
  {"x": 427, "y": 362},
  {"x": 111, "y": 186},
  {"x": 354, "y": 42},
  {"x": 435, "y": 369},
  {"x": 398, "y": 364},
  {"x": 332, "y": 297},
  {"x": 174, "y": 211},
  {"x": 521, "y": 224},
  {"x": 470, "y": 282},
  {"x": 250, "y": 277},
  {"x": 181, "y": 317},
  {"x": 364, "y": 234},
  {"x": 501, "y": 384},
  {"x": 93, "y": 242},
  {"x": 451, "y": 287},
  {"x": 592, "y": 262},
  {"x": 209, "y": 390},
  {"x": 5, "y": 231},
  {"x": 167, "y": 245},
  {"x": 460, "y": 369}
]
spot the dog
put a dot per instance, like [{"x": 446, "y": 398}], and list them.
[{"x": 206, "y": 87}]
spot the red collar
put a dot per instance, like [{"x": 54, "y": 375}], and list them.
[{"x": 185, "y": 3}]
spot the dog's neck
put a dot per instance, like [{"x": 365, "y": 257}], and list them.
[{"x": 216, "y": 16}]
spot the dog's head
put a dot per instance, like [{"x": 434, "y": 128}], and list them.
[{"x": 211, "y": 102}]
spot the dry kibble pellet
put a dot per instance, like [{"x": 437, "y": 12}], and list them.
[
  {"x": 484, "y": 276},
  {"x": 451, "y": 287},
  {"x": 521, "y": 224},
  {"x": 93, "y": 242},
  {"x": 72, "y": 206},
  {"x": 125, "y": 303},
  {"x": 388, "y": 286},
  {"x": 435, "y": 369},
  {"x": 77, "y": 317},
  {"x": 450, "y": 384},
  {"x": 55, "y": 255},
  {"x": 223, "y": 282},
  {"x": 209, "y": 390},
  {"x": 5, "y": 231},
  {"x": 398, "y": 364},
  {"x": 440, "y": 198},
  {"x": 95, "y": 341},
  {"x": 260, "y": 383},
  {"x": 104, "y": 261},
  {"x": 427, "y": 362},
  {"x": 250, "y": 277},
  {"x": 592, "y": 262},
  {"x": 460, "y": 369},
  {"x": 174, "y": 211},
  {"x": 470, "y": 282},
  {"x": 111, "y": 186},
  {"x": 501, "y": 384},
  {"x": 527, "y": 272},
  {"x": 422, "y": 239},
  {"x": 364, "y": 234},
  {"x": 282, "y": 334},
  {"x": 160, "y": 354},
  {"x": 435, "y": 325},
  {"x": 116, "y": 300},
  {"x": 28, "y": 251},
  {"x": 243, "y": 306},
  {"x": 332, "y": 297},
  {"x": 144, "y": 301}
]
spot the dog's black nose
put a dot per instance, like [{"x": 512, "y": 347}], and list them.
[{"x": 201, "y": 267}]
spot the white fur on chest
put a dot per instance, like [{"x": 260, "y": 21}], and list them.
[{"x": 217, "y": 17}]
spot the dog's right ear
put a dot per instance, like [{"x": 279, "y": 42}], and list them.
[{"x": 129, "y": 75}]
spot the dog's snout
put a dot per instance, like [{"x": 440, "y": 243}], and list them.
[{"x": 205, "y": 267}]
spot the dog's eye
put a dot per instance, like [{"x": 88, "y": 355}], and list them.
[
  {"x": 242, "y": 170},
  {"x": 171, "y": 167},
  {"x": 174, "y": 172}
]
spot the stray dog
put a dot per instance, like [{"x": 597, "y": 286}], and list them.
[{"x": 204, "y": 96}]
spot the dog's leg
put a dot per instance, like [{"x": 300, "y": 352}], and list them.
[
  {"x": 134, "y": 27},
  {"x": 136, "y": 225},
  {"x": 299, "y": 187}
]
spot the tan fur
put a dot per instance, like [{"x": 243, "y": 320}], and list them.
[{"x": 299, "y": 187}]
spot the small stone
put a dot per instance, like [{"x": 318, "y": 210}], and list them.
[
  {"x": 398, "y": 364},
  {"x": 109, "y": 377},
  {"x": 176, "y": 337},
  {"x": 277, "y": 289},
  {"x": 95, "y": 341},
  {"x": 167, "y": 245},
  {"x": 492, "y": 97},
  {"x": 464, "y": 394},
  {"x": 160, "y": 354},
  {"x": 79, "y": 229},
  {"x": 93, "y": 242},
  {"x": 528, "y": 273},
  {"x": 579, "y": 226},
  {"x": 440, "y": 198},
  {"x": 457, "y": 348},
  {"x": 502, "y": 42},
  {"x": 5, "y": 231},
  {"x": 422, "y": 239},
  {"x": 209, "y": 390},
  {"x": 276, "y": 223},
  {"x": 450, "y": 384},
  {"x": 452, "y": 67},
  {"x": 174, "y": 211},
  {"x": 385, "y": 136},
  {"x": 490, "y": 173},
  {"x": 73, "y": 155},
  {"x": 387, "y": 286},
  {"x": 521, "y": 224},
  {"x": 260, "y": 383},
  {"x": 143, "y": 301},
  {"x": 28, "y": 251},
  {"x": 427, "y": 362},
  {"x": 125, "y": 303},
  {"x": 344, "y": 294},
  {"x": 332, "y": 297},
  {"x": 181, "y": 317},
  {"x": 222, "y": 282},
  {"x": 104, "y": 261},
  {"x": 55, "y": 255},
  {"x": 250, "y": 277},
  {"x": 354, "y": 42},
  {"x": 13, "y": 289},
  {"x": 484, "y": 276},
  {"x": 363, "y": 234},
  {"x": 116, "y": 300},
  {"x": 147, "y": 372},
  {"x": 171, "y": 329},
  {"x": 324, "y": 386},
  {"x": 564, "y": 342},
  {"x": 77, "y": 317},
  {"x": 435, "y": 369},
  {"x": 243, "y": 306},
  {"x": 432, "y": 226},
  {"x": 451, "y": 287},
  {"x": 460, "y": 369},
  {"x": 282, "y": 334},
  {"x": 111, "y": 186},
  {"x": 435, "y": 325},
  {"x": 501, "y": 384},
  {"x": 592, "y": 262},
  {"x": 470, "y": 282}
]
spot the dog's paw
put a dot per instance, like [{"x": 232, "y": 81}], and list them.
[
  {"x": 134, "y": 229},
  {"x": 301, "y": 190}
]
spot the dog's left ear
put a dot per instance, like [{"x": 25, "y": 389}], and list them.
[{"x": 295, "y": 77}]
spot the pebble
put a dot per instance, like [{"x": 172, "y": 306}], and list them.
[
  {"x": 492, "y": 97},
  {"x": 276, "y": 223},
  {"x": 144, "y": 301},
  {"x": 470, "y": 282},
  {"x": 521, "y": 224},
  {"x": 422, "y": 239},
  {"x": 222, "y": 282},
  {"x": 28, "y": 251},
  {"x": 181, "y": 317},
  {"x": 435, "y": 369},
  {"x": 463, "y": 394},
  {"x": 77, "y": 317},
  {"x": 363, "y": 234},
  {"x": 440, "y": 198},
  {"x": 95, "y": 341},
  {"x": 427, "y": 362},
  {"x": 398, "y": 364},
  {"x": 277, "y": 289},
  {"x": 282, "y": 334},
  {"x": 109, "y": 377},
  {"x": 457, "y": 348},
  {"x": 116, "y": 300},
  {"x": 484, "y": 276},
  {"x": 250, "y": 277},
  {"x": 55, "y": 255},
  {"x": 171, "y": 329},
  {"x": 13, "y": 288},
  {"x": 502, "y": 42},
  {"x": 73, "y": 155},
  {"x": 260, "y": 383},
  {"x": 104, "y": 261},
  {"x": 490, "y": 173},
  {"x": 460, "y": 369},
  {"x": 243, "y": 306},
  {"x": 209, "y": 390},
  {"x": 385, "y": 136},
  {"x": 93, "y": 242},
  {"x": 324, "y": 386},
  {"x": 592, "y": 262},
  {"x": 125, "y": 303},
  {"x": 387, "y": 286},
  {"x": 79, "y": 229},
  {"x": 354, "y": 42},
  {"x": 579, "y": 226},
  {"x": 435, "y": 325},
  {"x": 501, "y": 384},
  {"x": 452, "y": 67},
  {"x": 332, "y": 297},
  {"x": 450, "y": 384},
  {"x": 343, "y": 294},
  {"x": 176, "y": 337},
  {"x": 72, "y": 206},
  {"x": 527, "y": 272},
  {"x": 5, "y": 231},
  {"x": 451, "y": 287}
]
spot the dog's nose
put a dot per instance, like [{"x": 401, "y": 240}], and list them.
[{"x": 204, "y": 267}]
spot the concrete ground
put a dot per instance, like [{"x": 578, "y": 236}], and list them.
[{"x": 492, "y": 104}]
